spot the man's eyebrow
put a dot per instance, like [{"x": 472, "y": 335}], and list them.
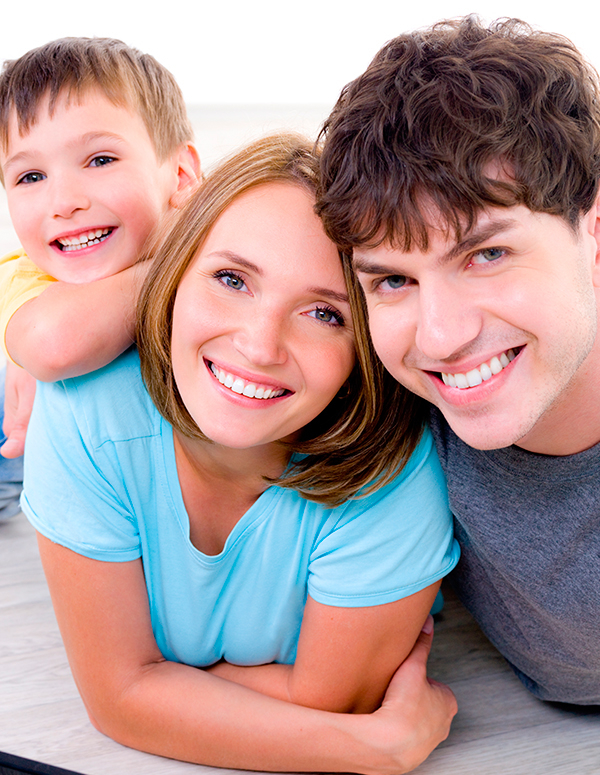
[
  {"x": 477, "y": 237},
  {"x": 470, "y": 242},
  {"x": 368, "y": 267}
]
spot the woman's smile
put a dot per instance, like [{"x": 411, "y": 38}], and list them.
[{"x": 248, "y": 388}]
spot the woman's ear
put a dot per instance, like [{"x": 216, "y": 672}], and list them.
[{"x": 189, "y": 174}]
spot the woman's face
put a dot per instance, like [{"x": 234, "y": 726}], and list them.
[{"x": 262, "y": 336}]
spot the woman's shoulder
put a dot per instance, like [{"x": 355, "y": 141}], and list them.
[{"x": 108, "y": 404}]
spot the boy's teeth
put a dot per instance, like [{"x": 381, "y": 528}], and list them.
[
  {"x": 240, "y": 386},
  {"x": 482, "y": 374},
  {"x": 84, "y": 239}
]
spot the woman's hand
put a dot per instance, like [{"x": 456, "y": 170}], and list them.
[{"x": 416, "y": 713}]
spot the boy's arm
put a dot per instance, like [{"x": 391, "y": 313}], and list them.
[
  {"x": 70, "y": 329},
  {"x": 19, "y": 393}
]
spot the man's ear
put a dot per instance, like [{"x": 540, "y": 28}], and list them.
[{"x": 189, "y": 173}]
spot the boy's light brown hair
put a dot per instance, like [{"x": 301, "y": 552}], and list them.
[
  {"x": 361, "y": 440},
  {"x": 73, "y": 66},
  {"x": 452, "y": 119}
]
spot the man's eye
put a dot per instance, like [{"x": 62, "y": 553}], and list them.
[
  {"x": 393, "y": 282},
  {"x": 101, "y": 161},
  {"x": 487, "y": 255},
  {"x": 31, "y": 177}
]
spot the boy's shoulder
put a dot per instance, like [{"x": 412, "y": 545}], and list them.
[{"x": 20, "y": 281}]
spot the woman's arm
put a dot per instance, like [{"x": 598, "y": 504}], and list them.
[
  {"x": 133, "y": 695},
  {"x": 346, "y": 656}
]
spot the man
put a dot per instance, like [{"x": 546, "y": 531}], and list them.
[{"x": 461, "y": 172}]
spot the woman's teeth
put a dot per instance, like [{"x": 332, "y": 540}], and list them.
[
  {"x": 482, "y": 374},
  {"x": 243, "y": 388},
  {"x": 83, "y": 240}
]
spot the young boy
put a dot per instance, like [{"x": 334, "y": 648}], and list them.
[
  {"x": 95, "y": 149},
  {"x": 462, "y": 171}
]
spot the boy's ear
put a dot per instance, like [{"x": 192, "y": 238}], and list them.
[{"x": 188, "y": 173}]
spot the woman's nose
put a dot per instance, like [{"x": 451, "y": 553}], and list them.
[{"x": 262, "y": 339}]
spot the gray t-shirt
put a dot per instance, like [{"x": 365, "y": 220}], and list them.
[{"x": 529, "y": 530}]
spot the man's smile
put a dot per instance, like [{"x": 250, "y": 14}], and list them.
[{"x": 481, "y": 373}]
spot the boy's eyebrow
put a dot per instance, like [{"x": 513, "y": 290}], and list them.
[
  {"x": 246, "y": 264},
  {"x": 88, "y": 137}
]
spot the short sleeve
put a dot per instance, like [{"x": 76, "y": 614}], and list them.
[
  {"x": 20, "y": 281},
  {"x": 388, "y": 545},
  {"x": 67, "y": 496}
]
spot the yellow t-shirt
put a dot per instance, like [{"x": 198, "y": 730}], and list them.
[{"x": 20, "y": 281}]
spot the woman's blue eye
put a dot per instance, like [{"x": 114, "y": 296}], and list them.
[
  {"x": 101, "y": 161},
  {"x": 487, "y": 255},
  {"x": 327, "y": 315},
  {"x": 32, "y": 177},
  {"x": 231, "y": 280}
]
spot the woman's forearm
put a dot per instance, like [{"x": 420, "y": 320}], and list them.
[{"x": 184, "y": 713}]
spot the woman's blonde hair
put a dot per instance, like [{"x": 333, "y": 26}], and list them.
[{"x": 357, "y": 443}]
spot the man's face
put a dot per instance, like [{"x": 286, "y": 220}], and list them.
[
  {"x": 85, "y": 187},
  {"x": 498, "y": 331}
]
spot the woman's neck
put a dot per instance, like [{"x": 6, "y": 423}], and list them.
[{"x": 220, "y": 484}]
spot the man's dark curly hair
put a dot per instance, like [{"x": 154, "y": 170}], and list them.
[{"x": 453, "y": 119}]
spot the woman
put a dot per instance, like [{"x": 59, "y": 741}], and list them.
[{"x": 184, "y": 538}]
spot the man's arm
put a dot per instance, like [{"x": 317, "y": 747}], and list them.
[
  {"x": 138, "y": 698},
  {"x": 70, "y": 329}
]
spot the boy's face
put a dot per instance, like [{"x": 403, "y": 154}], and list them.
[
  {"x": 497, "y": 331},
  {"x": 85, "y": 188}
]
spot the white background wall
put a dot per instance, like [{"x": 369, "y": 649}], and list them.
[{"x": 269, "y": 51}]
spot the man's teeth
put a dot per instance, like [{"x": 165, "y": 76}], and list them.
[
  {"x": 243, "y": 388},
  {"x": 482, "y": 374},
  {"x": 83, "y": 240}
]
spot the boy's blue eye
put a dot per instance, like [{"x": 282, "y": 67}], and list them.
[
  {"x": 31, "y": 177},
  {"x": 101, "y": 161}
]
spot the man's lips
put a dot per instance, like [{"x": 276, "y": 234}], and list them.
[{"x": 481, "y": 373}]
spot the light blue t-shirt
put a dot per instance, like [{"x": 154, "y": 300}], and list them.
[{"x": 101, "y": 479}]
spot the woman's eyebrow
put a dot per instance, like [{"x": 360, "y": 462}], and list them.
[
  {"x": 235, "y": 258},
  {"x": 330, "y": 293}
]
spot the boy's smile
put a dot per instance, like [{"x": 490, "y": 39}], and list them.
[
  {"x": 499, "y": 331},
  {"x": 85, "y": 187}
]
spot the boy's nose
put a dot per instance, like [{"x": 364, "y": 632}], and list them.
[{"x": 68, "y": 196}]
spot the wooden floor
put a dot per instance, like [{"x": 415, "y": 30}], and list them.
[{"x": 499, "y": 730}]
